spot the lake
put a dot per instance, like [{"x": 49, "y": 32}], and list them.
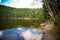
[{"x": 21, "y": 34}]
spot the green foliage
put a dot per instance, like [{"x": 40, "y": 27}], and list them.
[
  {"x": 46, "y": 15},
  {"x": 11, "y": 16}
]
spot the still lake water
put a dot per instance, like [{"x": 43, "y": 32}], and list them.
[{"x": 21, "y": 34}]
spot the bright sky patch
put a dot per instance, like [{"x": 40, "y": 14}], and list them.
[{"x": 22, "y": 3}]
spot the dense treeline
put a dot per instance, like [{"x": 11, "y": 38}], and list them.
[{"x": 14, "y": 17}]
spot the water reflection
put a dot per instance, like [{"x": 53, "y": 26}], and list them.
[{"x": 20, "y": 34}]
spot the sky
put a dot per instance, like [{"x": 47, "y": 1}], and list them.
[{"x": 22, "y": 3}]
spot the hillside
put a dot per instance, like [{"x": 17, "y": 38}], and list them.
[{"x": 20, "y": 17}]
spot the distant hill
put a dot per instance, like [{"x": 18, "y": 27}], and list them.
[{"x": 20, "y": 16}]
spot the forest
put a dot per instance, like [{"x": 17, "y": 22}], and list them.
[
  {"x": 21, "y": 17},
  {"x": 46, "y": 18}
]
